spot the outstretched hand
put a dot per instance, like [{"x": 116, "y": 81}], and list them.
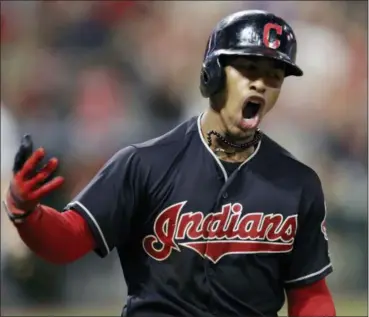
[{"x": 30, "y": 183}]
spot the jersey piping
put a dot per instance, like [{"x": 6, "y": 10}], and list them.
[
  {"x": 309, "y": 275},
  {"x": 84, "y": 208}
]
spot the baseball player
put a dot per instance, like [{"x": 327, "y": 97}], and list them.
[{"x": 213, "y": 218}]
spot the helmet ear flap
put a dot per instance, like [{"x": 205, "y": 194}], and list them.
[{"x": 212, "y": 77}]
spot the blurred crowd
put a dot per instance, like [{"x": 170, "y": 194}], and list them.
[{"x": 88, "y": 77}]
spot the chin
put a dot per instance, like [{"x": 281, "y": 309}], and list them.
[
  {"x": 239, "y": 135},
  {"x": 249, "y": 133}
]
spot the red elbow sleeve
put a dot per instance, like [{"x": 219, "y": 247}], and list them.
[
  {"x": 311, "y": 300},
  {"x": 57, "y": 237}
]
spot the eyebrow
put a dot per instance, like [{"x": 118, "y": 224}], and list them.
[{"x": 275, "y": 64}]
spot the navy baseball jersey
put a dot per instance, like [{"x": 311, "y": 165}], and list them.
[{"x": 200, "y": 237}]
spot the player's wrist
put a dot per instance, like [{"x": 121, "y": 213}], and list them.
[{"x": 17, "y": 210}]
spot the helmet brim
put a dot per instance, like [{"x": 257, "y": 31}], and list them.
[{"x": 291, "y": 68}]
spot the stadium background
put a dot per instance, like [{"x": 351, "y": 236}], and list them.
[{"x": 86, "y": 78}]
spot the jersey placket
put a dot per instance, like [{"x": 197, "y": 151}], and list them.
[{"x": 221, "y": 198}]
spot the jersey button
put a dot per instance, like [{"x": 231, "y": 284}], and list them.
[{"x": 225, "y": 195}]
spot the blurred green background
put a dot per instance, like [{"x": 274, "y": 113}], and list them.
[{"x": 88, "y": 77}]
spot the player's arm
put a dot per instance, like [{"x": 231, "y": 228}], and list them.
[
  {"x": 311, "y": 300},
  {"x": 309, "y": 263},
  {"x": 98, "y": 219},
  {"x": 56, "y": 237}
]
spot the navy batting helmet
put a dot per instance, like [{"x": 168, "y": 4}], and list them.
[{"x": 247, "y": 33}]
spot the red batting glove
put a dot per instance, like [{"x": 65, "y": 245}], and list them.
[{"x": 28, "y": 185}]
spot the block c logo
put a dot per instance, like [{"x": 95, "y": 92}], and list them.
[{"x": 266, "y": 34}]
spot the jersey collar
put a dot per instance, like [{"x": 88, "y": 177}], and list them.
[{"x": 207, "y": 147}]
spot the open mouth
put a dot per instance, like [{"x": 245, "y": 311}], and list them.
[
  {"x": 251, "y": 112},
  {"x": 251, "y": 109}
]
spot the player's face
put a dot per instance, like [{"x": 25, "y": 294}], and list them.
[{"x": 252, "y": 89}]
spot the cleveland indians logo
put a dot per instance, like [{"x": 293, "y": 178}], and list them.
[
  {"x": 219, "y": 234},
  {"x": 266, "y": 35}
]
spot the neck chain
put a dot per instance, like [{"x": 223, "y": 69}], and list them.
[{"x": 257, "y": 137}]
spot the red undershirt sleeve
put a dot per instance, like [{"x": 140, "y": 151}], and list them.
[
  {"x": 56, "y": 237},
  {"x": 311, "y": 300}
]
